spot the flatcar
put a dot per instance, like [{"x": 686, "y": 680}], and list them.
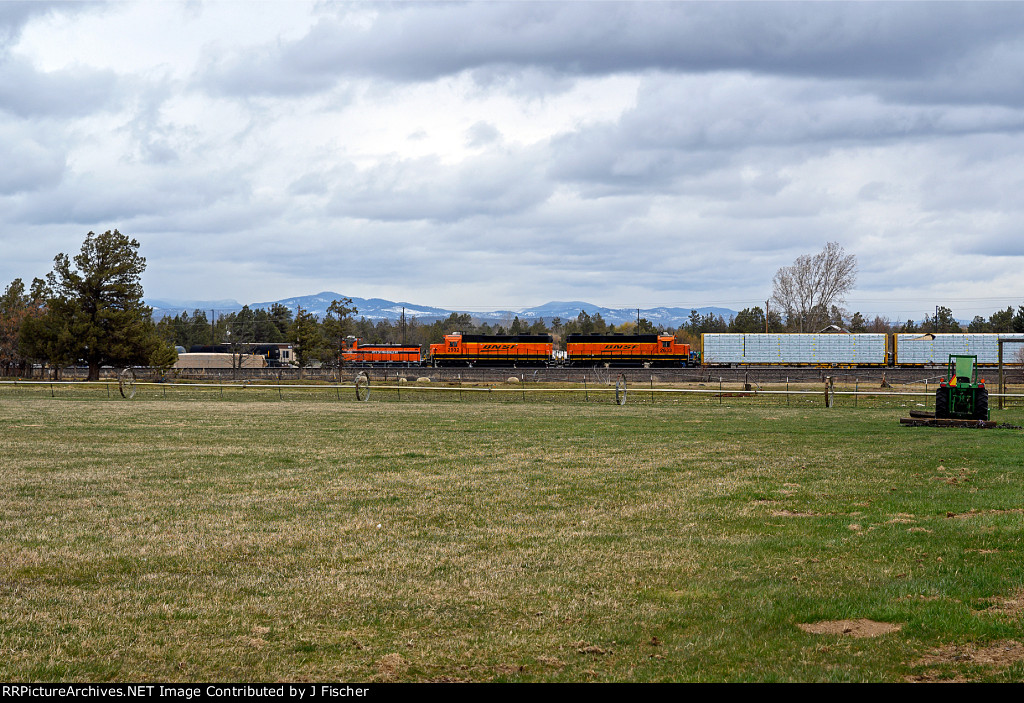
[
  {"x": 493, "y": 350},
  {"x": 619, "y": 350},
  {"x": 355, "y": 353}
]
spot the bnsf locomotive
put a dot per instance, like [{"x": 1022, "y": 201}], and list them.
[
  {"x": 635, "y": 350},
  {"x": 528, "y": 350},
  {"x": 493, "y": 350}
]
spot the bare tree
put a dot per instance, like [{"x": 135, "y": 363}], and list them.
[{"x": 808, "y": 289}]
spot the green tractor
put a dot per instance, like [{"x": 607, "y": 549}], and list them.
[{"x": 963, "y": 397}]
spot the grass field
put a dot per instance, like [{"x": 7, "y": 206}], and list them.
[{"x": 203, "y": 539}]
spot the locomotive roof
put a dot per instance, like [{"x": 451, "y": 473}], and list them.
[
  {"x": 521, "y": 338},
  {"x": 583, "y": 338},
  {"x": 387, "y": 346}
]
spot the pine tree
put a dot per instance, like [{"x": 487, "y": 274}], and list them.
[{"x": 94, "y": 308}]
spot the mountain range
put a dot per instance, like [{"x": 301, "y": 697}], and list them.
[{"x": 379, "y": 309}]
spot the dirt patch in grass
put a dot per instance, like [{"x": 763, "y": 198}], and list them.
[
  {"x": 991, "y": 658},
  {"x": 976, "y": 513},
  {"x": 861, "y": 627},
  {"x": 1010, "y": 606},
  {"x": 391, "y": 666},
  {"x": 791, "y": 513},
  {"x": 954, "y": 476}
]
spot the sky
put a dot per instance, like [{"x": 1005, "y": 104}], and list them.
[{"x": 493, "y": 155}]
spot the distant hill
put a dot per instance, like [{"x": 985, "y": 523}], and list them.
[
  {"x": 163, "y": 308},
  {"x": 379, "y": 309}
]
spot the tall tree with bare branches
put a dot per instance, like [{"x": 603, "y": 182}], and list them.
[{"x": 808, "y": 289}]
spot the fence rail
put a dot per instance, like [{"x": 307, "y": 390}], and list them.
[{"x": 620, "y": 391}]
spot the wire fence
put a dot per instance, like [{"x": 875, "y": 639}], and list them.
[{"x": 620, "y": 390}]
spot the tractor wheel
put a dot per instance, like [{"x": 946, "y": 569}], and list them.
[
  {"x": 981, "y": 404},
  {"x": 942, "y": 403}
]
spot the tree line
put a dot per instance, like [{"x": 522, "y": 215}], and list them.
[
  {"x": 89, "y": 311},
  {"x": 313, "y": 340}
]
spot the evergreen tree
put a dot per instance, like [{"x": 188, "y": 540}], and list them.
[
  {"x": 979, "y": 324},
  {"x": 281, "y": 316},
  {"x": 943, "y": 321},
  {"x": 94, "y": 309},
  {"x": 1002, "y": 321},
  {"x": 308, "y": 338},
  {"x": 1018, "y": 320},
  {"x": 748, "y": 320}
]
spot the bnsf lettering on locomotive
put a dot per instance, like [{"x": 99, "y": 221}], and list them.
[{"x": 497, "y": 347}]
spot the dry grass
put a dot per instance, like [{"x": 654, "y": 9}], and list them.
[{"x": 208, "y": 540}]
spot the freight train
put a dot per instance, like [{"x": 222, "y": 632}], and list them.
[
  {"x": 719, "y": 349},
  {"x": 665, "y": 351}
]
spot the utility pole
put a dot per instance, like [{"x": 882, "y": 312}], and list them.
[{"x": 766, "y": 315}]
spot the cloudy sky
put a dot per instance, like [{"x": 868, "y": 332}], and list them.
[{"x": 501, "y": 155}]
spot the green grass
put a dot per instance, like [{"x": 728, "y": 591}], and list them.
[{"x": 316, "y": 538}]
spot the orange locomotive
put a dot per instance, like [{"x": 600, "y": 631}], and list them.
[
  {"x": 493, "y": 350},
  {"x": 355, "y": 353},
  {"x": 627, "y": 350}
]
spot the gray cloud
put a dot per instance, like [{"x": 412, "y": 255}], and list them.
[
  {"x": 415, "y": 189},
  {"x": 27, "y": 92},
  {"x": 683, "y": 127},
  {"x": 482, "y": 134},
  {"x": 134, "y": 198},
  {"x": 28, "y": 164},
  {"x": 947, "y": 50},
  {"x": 15, "y": 14}
]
